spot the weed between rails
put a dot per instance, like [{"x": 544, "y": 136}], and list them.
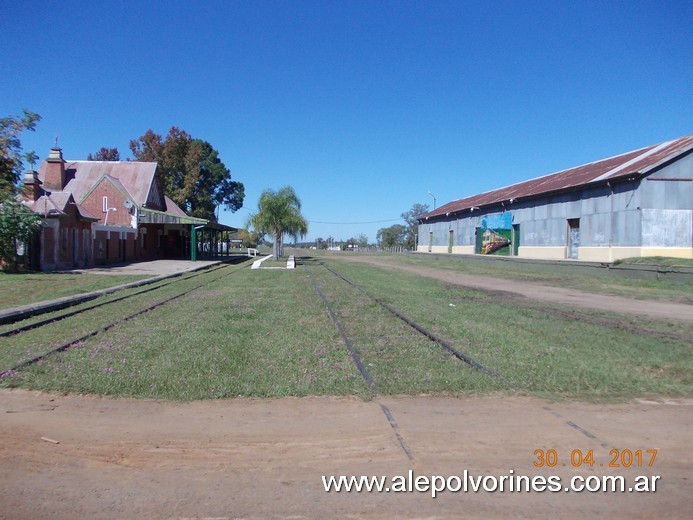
[
  {"x": 548, "y": 353},
  {"x": 266, "y": 333}
]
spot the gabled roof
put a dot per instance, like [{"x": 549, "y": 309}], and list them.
[
  {"x": 60, "y": 199},
  {"x": 45, "y": 206},
  {"x": 135, "y": 177},
  {"x": 84, "y": 214},
  {"x": 55, "y": 204},
  {"x": 172, "y": 207},
  {"x": 620, "y": 167},
  {"x": 114, "y": 182},
  {"x": 134, "y": 180}
]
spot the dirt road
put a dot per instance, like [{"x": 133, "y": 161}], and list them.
[
  {"x": 546, "y": 293},
  {"x": 252, "y": 459}
]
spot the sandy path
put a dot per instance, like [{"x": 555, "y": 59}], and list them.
[
  {"x": 247, "y": 458},
  {"x": 546, "y": 293}
]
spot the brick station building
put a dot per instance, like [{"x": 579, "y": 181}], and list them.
[{"x": 101, "y": 212}]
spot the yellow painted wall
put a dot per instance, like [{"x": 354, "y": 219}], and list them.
[
  {"x": 546, "y": 253},
  {"x": 611, "y": 254},
  {"x": 586, "y": 254},
  {"x": 677, "y": 252},
  {"x": 462, "y": 250}
]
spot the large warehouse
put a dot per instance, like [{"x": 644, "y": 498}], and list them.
[{"x": 638, "y": 203}]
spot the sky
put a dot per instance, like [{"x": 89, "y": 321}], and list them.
[{"x": 363, "y": 107}]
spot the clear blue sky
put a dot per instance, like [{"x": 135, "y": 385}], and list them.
[{"x": 362, "y": 106}]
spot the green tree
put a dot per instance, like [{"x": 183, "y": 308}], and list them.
[
  {"x": 31, "y": 158},
  {"x": 279, "y": 214},
  {"x": 11, "y": 128},
  {"x": 191, "y": 172},
  {"x": 105, "y": 154},
  {"x": 362, "y": 240},
  {"x": 410, "y": 217},
  {"x": 250, "y": 238},
  {"x": 392, "y": 236},
  {"x": 18, "y": 227},
  {"x": 215, "y": 180}
]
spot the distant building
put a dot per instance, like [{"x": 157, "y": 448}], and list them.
[
  {"x": 638, "y": 203},
  {"x": 99, "y": 212}
]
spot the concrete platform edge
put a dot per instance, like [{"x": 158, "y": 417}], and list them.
[{"x": 33, "y": 309}]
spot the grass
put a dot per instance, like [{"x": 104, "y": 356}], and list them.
[
  {"x": 270, "y": 263},
  {"x": 25, "y": 288},
  {"x": 232, "y": 338},
  {"x": 267, "y": 334},
  {"x": 565, "y": 277},
  {"x": 14, "y": 349},
  {"x": 544, "y": 351},
  {"x": 660, "y": 261}
]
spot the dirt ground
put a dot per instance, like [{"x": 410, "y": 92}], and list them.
[
  {"x": 247, "y": 458},
  {"x": 251, "y": 458},
  {"x": 546, "y": 293}
]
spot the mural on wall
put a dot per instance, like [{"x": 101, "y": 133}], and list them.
[{"x": 494, "y": 235}]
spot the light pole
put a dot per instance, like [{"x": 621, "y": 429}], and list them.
[{"x": 434, "y": 199}]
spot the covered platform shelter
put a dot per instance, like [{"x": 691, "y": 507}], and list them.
[
  {"x": 190, "y": 237},
  {"x": 169, "y": 234},
  {"x": 212, "y": 241}
]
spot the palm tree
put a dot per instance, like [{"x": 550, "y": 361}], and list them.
[{"x": 279, "y": 214}]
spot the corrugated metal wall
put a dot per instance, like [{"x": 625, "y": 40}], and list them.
[{"x": 654, "y": 212}]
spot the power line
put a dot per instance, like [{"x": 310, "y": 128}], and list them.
[
  {"x": 353, "y": 223},
  {"x": 340, "y": 223}
]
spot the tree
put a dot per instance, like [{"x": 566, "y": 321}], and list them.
[
  {"x": 105, "y": 154},
  {"x": 249, "y": 239},
  {"x": 18, "y": 226},
  {"x": 410, "y": 217},
  {"x": 11, "y": 128},
  {"x": 362, "y": 240},
  {"x": 215, "y": 179},
  {"x": 392, "y": 236},
  {"x": 358, "y": 242},
  {"x": 279, "y": 214},
  {"x": 191, "y": 173}
]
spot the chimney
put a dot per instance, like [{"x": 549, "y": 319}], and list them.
[
  {"x": 32, "y": 186},
  {"x": 54, "y": 178}
]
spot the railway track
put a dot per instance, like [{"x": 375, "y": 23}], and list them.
[
  {"x": 206, "y": 277},
  {"x": 57, "y": 315},
  {"x": 412, "y": 324},
  {"x": 183, "y": 286},
  {"x": 457, "y": 353}
]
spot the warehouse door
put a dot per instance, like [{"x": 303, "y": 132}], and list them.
[
  {"x": 573, "y": 237},
  {"x": 451, "y": 241},
  {"x": 515, "y": 240}
]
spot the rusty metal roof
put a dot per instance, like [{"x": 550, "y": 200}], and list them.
[
  {"x": 55, "y": 205},
  {"x": 638, "y": 163},
  {"x": 133, "y": 178},
  {"x": 172, "y": 208}
]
